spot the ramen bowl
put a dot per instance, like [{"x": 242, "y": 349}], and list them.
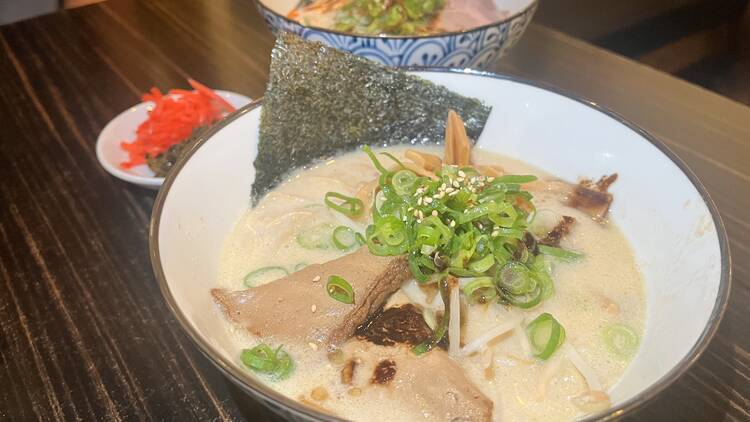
[
  {"x": 475, "y": 48},
  {"x": 660, "y": 206}
]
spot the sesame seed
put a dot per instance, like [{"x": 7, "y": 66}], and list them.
[
  {"x": 313, "y": 346},
  {"x": 453, "y": 193},
  {"x": 456, "y": 184},
  {"x": 453, "y": 223},
  {"x": 420, "y": 200},
  {"x": 416, "y": 213},
  {"x": 490, "y": 179},
  {"x": 428, "y": 200},
  {"x": 461, "y": 173},
  {"x": 434, "y": 213},
  {"x": 316, "y": 278},
  {"x": 480, "y": 226},
  {"x": 449, "y": 190},
  {"x": 460, "y": 179},
  {"x": 313, "y": 308},
  {"x": 443, "y": 186},
  {"x": 421, "y": 215}
]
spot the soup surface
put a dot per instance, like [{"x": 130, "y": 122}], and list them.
[{"x": 592, "y": 295}]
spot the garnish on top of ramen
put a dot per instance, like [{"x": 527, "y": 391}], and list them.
[
  {"x": 175, "y": 119},
  {"x": 325, "y": 110},
  {"x": 406, "y": 17},
  {"x": 454, "y": 221}
]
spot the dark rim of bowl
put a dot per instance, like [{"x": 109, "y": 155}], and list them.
[
  {"x": 262, "y": 391},
  {"x": 528, "y": 9}
]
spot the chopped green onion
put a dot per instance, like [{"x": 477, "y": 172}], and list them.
[
  {"x": 387, "y": 236},
  {"x": 463, "y": 224},
  {"x": 546, "y": 335},
  {"x": 263, "y": 359},
  {"x": 340, "y": 289},
  {"x": 480, "y": 290},
  {"x": 512, "y": 233},
  {"x": 416, "y": 262},
  {"x": 461, "y": 272},
  {"x": 526, "y": 300},
  {"x": 481, "y": 210},
  {"x": 504, "y": 216},
  {"x": 621, "y": 340},
  {"x": 560, "y": 253},
  {"x": 264, "y": 274},
  {"x": 482, "y": 265},
  {"x": 432, "y": 232},
  {"x": 359, "y": 238},
  {"x": 374, "y": 160},
  {"x": 516, "y": 279},
  {"x": 404, "y": 182},
  {"x": 316, "y": 237},
  {"x": 344, "y": 238},
  {"x": 540, "y": 270},
  {"x": 392, "y": 157},
  {"x": 442, "y": 328},
  {"x": 349, "y": 206},
  {"x": 391, "y": 230},
  {"x": 516, "y": 179}
]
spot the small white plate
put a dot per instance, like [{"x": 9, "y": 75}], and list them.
[{"x": 122, "y": 128}]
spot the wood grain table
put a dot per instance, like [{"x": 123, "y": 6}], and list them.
[{"x": 84, "y": 332}]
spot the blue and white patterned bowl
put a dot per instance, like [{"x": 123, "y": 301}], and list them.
[{"x": 475, "y": 48}]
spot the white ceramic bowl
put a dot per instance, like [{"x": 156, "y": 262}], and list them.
[
  {"x": 664, "y": 211},
  {"x": 475, "y": 47},
  {"x": 122, "y": 128}
]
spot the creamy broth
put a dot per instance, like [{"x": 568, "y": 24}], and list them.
[{"x": 602, "y": 289}]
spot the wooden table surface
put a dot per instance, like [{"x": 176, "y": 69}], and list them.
[{"x": 84, "y": 332}]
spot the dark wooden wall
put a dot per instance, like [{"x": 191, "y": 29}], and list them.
[{"x": 704, "y": 42}]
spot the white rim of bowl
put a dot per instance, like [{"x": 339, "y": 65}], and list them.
[{"x": 281, "y": 402}]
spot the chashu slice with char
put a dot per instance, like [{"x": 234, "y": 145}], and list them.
[{"x": 297, "y": 308}]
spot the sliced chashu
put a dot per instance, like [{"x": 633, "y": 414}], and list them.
[
  {"x": 297, "y": 308},
  {"x": 431, "y": 386}
]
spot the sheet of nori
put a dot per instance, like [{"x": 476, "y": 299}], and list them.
[{"x": 321, "y": 101}]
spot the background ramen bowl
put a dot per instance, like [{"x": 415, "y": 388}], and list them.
[
  {"x": 674, "y": 228},
  {"x": 475, "y": 48}
]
